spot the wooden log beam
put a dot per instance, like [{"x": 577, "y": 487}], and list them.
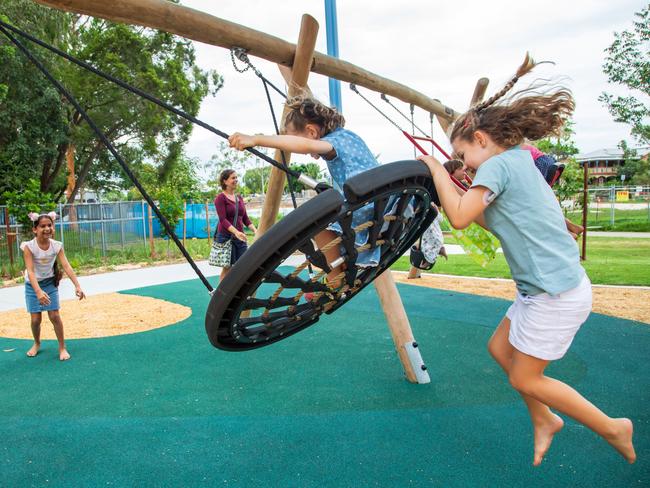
[{"x": 202, "y": 27}]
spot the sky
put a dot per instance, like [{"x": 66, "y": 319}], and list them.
[{"x": 438, "y": 48}]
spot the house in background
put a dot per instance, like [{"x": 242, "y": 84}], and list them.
[{"x": 603, "y": 164}]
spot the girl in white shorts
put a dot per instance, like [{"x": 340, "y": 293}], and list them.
[{"x": 510, "y": 198}]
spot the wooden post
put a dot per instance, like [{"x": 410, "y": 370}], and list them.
[
  {"x": 184, "y": 221},
  {"x": 10, "y": 239},
  {"x": 479, "y": 91},
  {"x": 207, "y": 224},
  {"x": 152, "y": 248},
  {"x": 299, "y": 75},
  {"x": 585, "y": 205},
  {"x": 398, "y": 322},
  {"x": 71, "y": 181}
]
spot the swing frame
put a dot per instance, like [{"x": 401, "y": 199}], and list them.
[{"x": 302, "y": 58}]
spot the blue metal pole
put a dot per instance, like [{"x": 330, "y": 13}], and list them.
[{"x": 333, "y": 50}]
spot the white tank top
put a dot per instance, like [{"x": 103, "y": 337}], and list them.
[{"x": 43, "y": 259}]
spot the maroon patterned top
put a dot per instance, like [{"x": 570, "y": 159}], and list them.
[{"x": 226, "y": 212}]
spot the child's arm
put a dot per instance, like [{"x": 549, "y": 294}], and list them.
[
  {"x": 294, "y": 144},
  {"x": 70, "y": 272},
  {"x": 43, "y": 298},
  {"x": 460, "y": 210}
]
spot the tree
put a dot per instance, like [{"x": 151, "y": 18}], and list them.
[
  {"x": 636, "y": 170},
  {"x": 154, "y": 61},
  {"x": 182, "y": 180},
  {"x": 256, "y": 179},
  {"x": 310, "y": 169},
  {"x": 628, "y": 64},
  {"x": 26, "y": 200}
]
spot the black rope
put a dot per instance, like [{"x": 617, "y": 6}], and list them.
[
  {"x": 433, "y": 148},
  {"x": 277, "y": 131},
  {"x": 415, "y": 154},
  {"x": 266, "y": 84},
  {"x": 385, "y": 98},
  {"x": 240, "y": 53},
  {"x": 144, "y": 95},
  {"x": 354, "y": 88},
  {"x": 111, "y": 148}
]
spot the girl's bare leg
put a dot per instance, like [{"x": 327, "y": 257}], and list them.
[
  {"x": 55, "y": 318},
  {"x": 36, "y": 332},
  {"x": 545, "y": 423},
  {"x": 332, "y": 254},
  {"x": 527, "y": 377},
  {"x": 224, "y": 273}
]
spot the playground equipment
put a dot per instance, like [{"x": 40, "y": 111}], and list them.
[{"x": 412, "y": 187}]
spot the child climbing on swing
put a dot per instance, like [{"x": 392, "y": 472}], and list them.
[
  {"x": 553, "y": 291},
  {"x": 313, "y": 128},
  {"x": 42, "y": 280}
]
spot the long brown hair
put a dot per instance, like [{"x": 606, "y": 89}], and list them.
[
  {"x": 509, "y": 123},
  {"x": 305, "y": 110}
]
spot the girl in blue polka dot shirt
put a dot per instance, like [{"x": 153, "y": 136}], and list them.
[{"x": 313, "y": 128}]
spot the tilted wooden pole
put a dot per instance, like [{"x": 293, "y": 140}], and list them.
[
  {"x": 479, "y": 91},
  {"x": 199, "y": 26},
  {"x": 398, "y": 321},
  {"x": 299, "y": 76}
]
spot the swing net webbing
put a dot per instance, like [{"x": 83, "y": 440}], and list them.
[{"x": 258, "y": 308}]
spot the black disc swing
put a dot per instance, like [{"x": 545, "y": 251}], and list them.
[{"x": 262, "y": 300}]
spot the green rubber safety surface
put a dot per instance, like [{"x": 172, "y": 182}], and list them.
[{"x": 328, "y": 407}]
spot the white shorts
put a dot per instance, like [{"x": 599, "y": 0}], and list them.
[{"x": 543, "y": 326}]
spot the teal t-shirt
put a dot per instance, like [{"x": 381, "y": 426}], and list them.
[{"x": 528, "y": 220}]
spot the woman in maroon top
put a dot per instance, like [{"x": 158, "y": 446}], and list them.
[{"x": 227, "y": 228}]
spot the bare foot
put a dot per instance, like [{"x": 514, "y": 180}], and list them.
[
  {"x": 63, "y": 355},
  {"x": 34, "y": 350},
  {"x": 544, "y": 436},
  {"x": 622, "y": 439}
]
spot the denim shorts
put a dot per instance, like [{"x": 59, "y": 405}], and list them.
[
  {"x": 238, "y": 247},
  {"x": 31, "y": 301}
]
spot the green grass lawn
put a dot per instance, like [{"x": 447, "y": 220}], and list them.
[
  {"x": 624, "y": 220},
  {"x": 610, "y": 261}
]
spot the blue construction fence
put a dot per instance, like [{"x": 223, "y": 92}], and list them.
[
  {"x": 195, "y": 223},
  {"x": 104, "y": 226}
]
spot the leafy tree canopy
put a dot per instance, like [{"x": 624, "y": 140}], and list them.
[
  {"x": 628, "y": 64},
  {"x": 38, "y": 128}
]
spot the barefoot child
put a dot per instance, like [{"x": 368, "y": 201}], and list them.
[
  {"x": 313, "y": 128},
  {"x": 42, "y": 280},
  {"x": 553, "y": 292}
]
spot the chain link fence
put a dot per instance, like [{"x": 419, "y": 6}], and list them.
[{"x": 100, "y": 227}]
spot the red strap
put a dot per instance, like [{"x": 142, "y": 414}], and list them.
[{"x": 421, "y": 149}]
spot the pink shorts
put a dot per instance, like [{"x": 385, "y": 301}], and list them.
[{"x": 543, "y": 326}]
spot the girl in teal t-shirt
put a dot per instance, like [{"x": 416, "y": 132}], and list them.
[{"x": 511, "y": 199}]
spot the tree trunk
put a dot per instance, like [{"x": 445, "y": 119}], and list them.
[{"x": 85, "y": 168}]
